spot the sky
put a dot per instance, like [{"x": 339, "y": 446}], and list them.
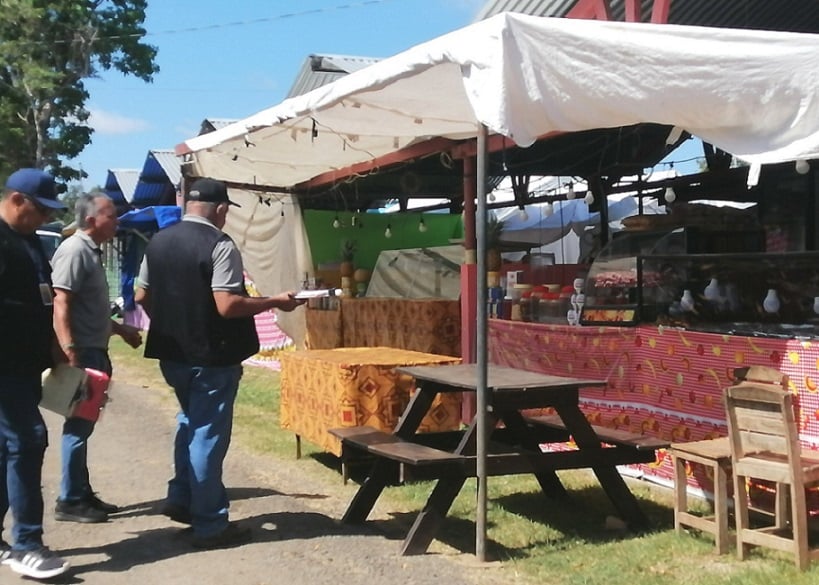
[{"x": 232, "y": 59}]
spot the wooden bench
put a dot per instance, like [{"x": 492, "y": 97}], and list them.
[
  {"x": 389, "y": 446},
  {"x": 605, "y": 434}
]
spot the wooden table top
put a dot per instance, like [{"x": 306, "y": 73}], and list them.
[{"x": 499, "y": 378}]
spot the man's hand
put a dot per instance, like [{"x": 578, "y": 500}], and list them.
[
  {"x": 287, "y": 301},
  {"x": 130, "y": 334}
]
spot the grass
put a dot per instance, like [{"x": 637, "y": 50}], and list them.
[{"x": 536, "y": 540}]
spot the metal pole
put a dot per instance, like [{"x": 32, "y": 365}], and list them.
[{"x": 481, "y": 334}]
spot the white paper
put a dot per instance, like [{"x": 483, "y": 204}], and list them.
[{"x": 318, "y": 293}]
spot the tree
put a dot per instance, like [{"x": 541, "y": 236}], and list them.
[{"x": 47, "y": 49}]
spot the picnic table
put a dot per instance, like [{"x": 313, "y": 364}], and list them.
[{"x": 514, "y": 445}]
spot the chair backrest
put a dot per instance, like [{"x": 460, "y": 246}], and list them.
[{"x": 761, "y": 421}]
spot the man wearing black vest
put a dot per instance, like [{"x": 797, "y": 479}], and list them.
[
  {"x": 192, "y": 287},
  {"x": 27, "y": 347}
]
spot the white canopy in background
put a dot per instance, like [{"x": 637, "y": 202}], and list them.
[{"x": 751, "y": 93}]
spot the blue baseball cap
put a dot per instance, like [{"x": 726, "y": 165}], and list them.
[{"x": 38, "y": 185}]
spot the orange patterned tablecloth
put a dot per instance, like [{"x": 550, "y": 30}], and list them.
[
  {"x": 427, "y": 325},
  {"x": 345, "y": 387},
  {"x": 323, "y": 328},
  {"x": 663, "y": 382}
]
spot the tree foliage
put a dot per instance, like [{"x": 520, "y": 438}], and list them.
[{"x": 48, "y": 48}]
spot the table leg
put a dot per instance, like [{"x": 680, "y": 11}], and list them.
[
  {"x": 428, "y": 521},
  {"x": 610, "y": 479},
  {"x": 384, "y": 469},
  {"x": 368, "y": 493},
  {"x": 549, "y": 481}
]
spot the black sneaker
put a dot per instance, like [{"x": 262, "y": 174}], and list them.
[
  {"x": 93, "y": 501},
  {"x": 38, "y": 564},
  {"x": 79, "y": 512},
  {"x": 233, "y": 535},
  {"x": 176, "y": 513}
]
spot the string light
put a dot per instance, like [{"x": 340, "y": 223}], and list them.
[
  {"x": 570, "y": 195},
  {"x": 589, "y": 198},
  {"x": 422, "y": 227},
  {"x": 670, "y": 196},
  {"x": 802, "y": 166},
  {"x": 491, "y": 197},
  {"x": 522, "y": 213},
  {"x": 388, "y": 231},
  {"x": 336, "y": 222},
  {"x": 548, "y": 209}
]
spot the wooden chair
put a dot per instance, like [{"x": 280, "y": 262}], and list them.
[
  {"x": 714, "y": 454},
  {"x": 765, "y": 445}
]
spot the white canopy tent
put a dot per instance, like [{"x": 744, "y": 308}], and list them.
[{"x": 749, "y": 93}]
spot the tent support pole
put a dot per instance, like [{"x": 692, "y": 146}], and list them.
[{"x": 481, "y": 352}]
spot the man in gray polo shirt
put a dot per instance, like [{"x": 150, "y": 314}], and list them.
[{"x": 82, "y": 321}]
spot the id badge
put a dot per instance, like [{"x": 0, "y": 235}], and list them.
[{"x": 46, "y": 294}]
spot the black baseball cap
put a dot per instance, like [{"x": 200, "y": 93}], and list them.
[
  {"x": 209, "y": 191},
  {"x": 38, "y": 185}
]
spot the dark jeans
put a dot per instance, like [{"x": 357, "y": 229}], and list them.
[
  {"x": 23, "y": 441},
  {"x": 76, "y": 485}
]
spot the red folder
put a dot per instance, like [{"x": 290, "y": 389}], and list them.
[{"x": 95, "y": 395}]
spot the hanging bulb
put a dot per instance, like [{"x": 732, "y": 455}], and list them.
[
  {"x": 522, "y": 213},
  {"x": 491, "y": 197},
  {"x": 388, "y": 232},
  {"x": 802, "y": 166},
  {"x": 589, "y": 198},
  {"x": 548, "y": 209},
  {"x": 670, "y": 196},
  {"x": 570, "y": 192},
  {"x": 336, "y": 223},
  {"x": 422, "y": 227}
]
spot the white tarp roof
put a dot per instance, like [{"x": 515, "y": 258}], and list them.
[{"x": 751, "y": 93}]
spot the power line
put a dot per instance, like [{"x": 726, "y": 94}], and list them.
[{"x": 210, "y": 27}]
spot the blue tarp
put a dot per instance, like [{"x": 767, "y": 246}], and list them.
[{"x": 144, "y": 221}]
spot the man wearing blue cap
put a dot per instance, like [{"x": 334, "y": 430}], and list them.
[{"x": 27, "y": 347}]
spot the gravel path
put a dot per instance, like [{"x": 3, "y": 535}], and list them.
[{"x": 297, "y": 536}]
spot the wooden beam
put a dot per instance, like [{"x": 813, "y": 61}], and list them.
[
  {"x": 591, "y": 10},
  {"x": 660, "y": 10},
  {"x": 634, "y": 12},
  {"x": 426, "y": 148}
]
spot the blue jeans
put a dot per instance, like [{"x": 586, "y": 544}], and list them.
[
  {"x": 23, "y": 441},
  {"x": 206, "y": 396},
  {"x": 76, "y": 485}
]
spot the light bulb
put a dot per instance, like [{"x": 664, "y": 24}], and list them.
[
  {"x": 522, "y": 214},
  {"x": 588, "y": 199},
  {"x": 670, "y": 196},
  {"x": 388, "y": 232},
  {"x": 491, "y": 198},
  {"x": 570, "y": 192},
  {"x": 336, "y": 223},
  {"x": 802, "y": 166},
  {"x": 548, "y": 209},
  {"x": 422, "y": 227}
]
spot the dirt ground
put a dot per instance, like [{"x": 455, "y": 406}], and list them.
[{"x": 297, "y": 536}]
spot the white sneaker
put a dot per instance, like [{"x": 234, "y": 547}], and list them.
[
  {"x": 37, "y": 564},
  {"x": 5, "y": 552}
]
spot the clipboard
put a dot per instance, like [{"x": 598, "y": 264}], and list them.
[{"x": 75, "y": 392}]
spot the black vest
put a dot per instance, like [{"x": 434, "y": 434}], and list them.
[
  {"x": 185, "y": 325},
  {"x": 26, "y": 324}
]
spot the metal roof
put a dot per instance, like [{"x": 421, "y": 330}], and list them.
[
  {"x": 782, "y": 15},
  {"x": 211, "y": 124},
  {"x": 123, "y": 181},
  {"x": 318, "y": 70},
  {"x": 160, "y": 175}
]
